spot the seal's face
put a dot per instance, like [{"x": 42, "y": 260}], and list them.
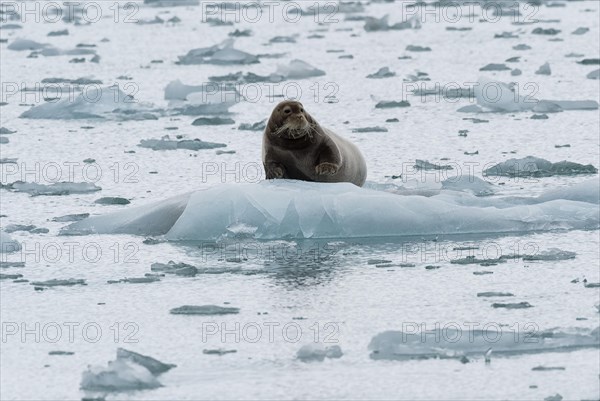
[{"x": 290, "y": 121}]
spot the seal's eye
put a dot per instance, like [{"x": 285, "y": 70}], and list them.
[
  {"x": 301, "y": 110},
  {"x": 287, "y": 111}
]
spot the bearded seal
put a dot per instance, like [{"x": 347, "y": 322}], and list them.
[{"x": 296, "y": 147}]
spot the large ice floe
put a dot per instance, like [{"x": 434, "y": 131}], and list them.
[
  {"x": 296, "y": 210},
  {"x": 452, "y": 343}
]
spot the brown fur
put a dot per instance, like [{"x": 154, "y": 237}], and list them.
[{"x": 295, "y": 146}]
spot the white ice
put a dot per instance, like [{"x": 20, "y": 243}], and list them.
[{"x": 295, "y": 209}]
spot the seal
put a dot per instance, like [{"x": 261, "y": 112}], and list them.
[{"x": 295, "y": 146}]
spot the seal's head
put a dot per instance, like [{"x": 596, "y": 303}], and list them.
[{"x": 289, "y": 120}]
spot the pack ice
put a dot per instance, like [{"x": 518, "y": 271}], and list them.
[
  {"x": 96, "y": 102},
  {"x": 296, "y": 209}
]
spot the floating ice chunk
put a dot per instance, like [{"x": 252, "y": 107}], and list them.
[
  {"x": 6, "y": 131},
  {"x": 58, "y": 188},
  {"x": 202, "y": 121},
  {"x": 535, "y": 167},
  {"x": 26, "y": 44},
  {"x": 94, "y": 103},
  {"x": 589, "y": 61},
  {"x": 580, "y": 31},
  {"x": 594, "y": 74},
  {"x": 203, "y": 99},
  {"x": 551, "y": 254},
  {"x": 449, "y": 343},
  {"x": 363, "y": 130},
  {"x": 413, "y": 48},
  {"x": 495, "y": 67},
  {"x": 223, "y": 54},
  {"x": 111, "y": 200},
  {"x": 249, "y": 78},
  {"x": 120, "y": 375},
  {"x": 258, "y": 126},
  {"x": 71, "y": 217},
  {"x": 469, "y": 183},
  {"x": 389, "y": 104},
  {"x": 167, "y": 144},
  {"x": 522, "y": 46},
  {"x": 59, "y": 283},
  {"x": 318, "y": 352},
  {"x": 383, "y": 72},
  {"x": 298, "y": 69},
  {"x": 542, "y": 31},
  {"x": 516, "y": 305},
  {"x": 494, "y": 294},
  {"x": 373, "y": 24},
  {"x": 204, "y": 310},
  {"x": 499, "y": 96},
  {"x": 179, "y": 269},
  {"x": 281, "y": 209},
  {"x": 7, "y": 244},
  {"x": 544, "y": 70},
  {"x": 4, "y": 140},
  {"x": 171, "y": 3},
  {"x": 573, "y": 104},
  {"x": 425, "y": 165},
  {"x": 155, "y": 366}
]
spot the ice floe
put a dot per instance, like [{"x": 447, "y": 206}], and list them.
[
  {"x": 130, "y": 371},
  {"x": 96, "y": 102},
  {"x": 296, "y": 209},
  {"x": 223, "y": 54},
  {"x": 536, "y": 167},
  {"x": 165, "y": 143},
  {"x": 8, "y": 244},
  {"x": 451, "y": 343},
  {"x": 318, "y": 352}
]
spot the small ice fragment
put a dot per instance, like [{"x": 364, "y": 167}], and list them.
[
  {"x": 58, "y": 188},
  {"x": 120, "y": 375},
  {"x": 71, "y": 217},
  {"x": 58, "y": 282},
  {"x": 580, "y": 31},
  {"x": 383, "y": 72},
  {"x": 202, "y": 121},
  {"x": 318, "y": 352},
  {"x": 413, "y": 48},
  {"x": 594, "y": 74},
  {"x": 109, "y": 200},
  {"x": 516, "y": 305},
  {"x": 425, "y": 165},
  {"x": 495, "y": 294},
  {"x": 555, "y": 397},
  {"x": 7, "y": 244},
  {"x": 378, "y": 261},
  {"x": 544, "y": 70},
  {"x": 298, "y": 69},
  {"x": 495, "y": 67},
  {"x": 166, "y": 144},
  {"x": 180, "y": 269},
  {"x": 219, "y": 351},
  {"x": 542, "y": 31},
  {"x": 369, "y": 129},
  {"x": 551, "y": 254},
  {"x": 522, "y": 46},
  {"x": 155, "y": 366},
  {"x": 258, "y": 126},
  {"x": 204, "y": 310},
  {"x": 384, "y": 104},
  {"x": 546, "y": 368}
]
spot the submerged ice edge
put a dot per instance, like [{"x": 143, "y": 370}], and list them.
[{"x": 298, "y": 210}]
